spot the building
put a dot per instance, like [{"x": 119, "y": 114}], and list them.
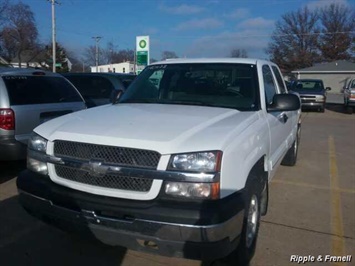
[
  {"x": 334, "y": 74},
  {"x": 125, "y": 67}
]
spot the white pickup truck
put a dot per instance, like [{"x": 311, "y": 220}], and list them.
[{"x": 177, "y": 165}]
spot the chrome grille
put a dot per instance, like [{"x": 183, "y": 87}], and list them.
[
  {"x": 108, "y": 181},
  {"x": 308, "y": 98},
  {"x": 108, "y": 154}
]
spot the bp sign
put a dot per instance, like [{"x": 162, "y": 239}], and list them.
[
  {"x": 142, "y": 58},
  {"x": 142, "y": 50},
  {"x": 142, "y": 44}
]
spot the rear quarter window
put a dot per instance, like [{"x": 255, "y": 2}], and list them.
[{"x": 23, "y": 90}]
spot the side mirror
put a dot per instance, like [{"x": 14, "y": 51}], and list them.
[
  {"x": 284, "y": 102},
  {"x": 116, "y": 95},
  {"x": 328, "y": 88}
]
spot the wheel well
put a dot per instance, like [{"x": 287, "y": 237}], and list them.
[{"x": 259, "y": 177}]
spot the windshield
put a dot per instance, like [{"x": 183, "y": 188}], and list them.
[
  {"x": 218, "y": 85},
  {"x": 314, "y": 85}
]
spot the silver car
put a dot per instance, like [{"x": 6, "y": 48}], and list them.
[
  {"x": 349, "y": 96},
  {"x": 29, "y": 97}
]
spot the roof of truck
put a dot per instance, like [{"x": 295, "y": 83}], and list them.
[{"x": 209, "y": 60}]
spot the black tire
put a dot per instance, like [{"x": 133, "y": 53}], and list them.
[
  {"x": 243, "y": 254},
  {"x": 322, "y": 109},
  {"x": 349, "y": 110},
  {"x": 290, "y": 158},
  {"x": 249, "y": 237}
]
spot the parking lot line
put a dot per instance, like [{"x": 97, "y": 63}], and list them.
[
  {"x": 336, "y": 212},
  {"x": 307, "y": 185}
]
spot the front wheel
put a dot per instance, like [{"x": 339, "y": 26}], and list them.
[
  {"x": 243, "y": 254},
  {"x": 250, "y": 229},
  {"x": 349, "y": 110}
]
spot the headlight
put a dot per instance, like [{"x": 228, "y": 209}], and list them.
[
  {"x": 319, "y": 98},
  {"x": 37, "y": 143},
  {"x": 209, "y": 161},
  {"x": 37, "y": 166},
  {"x": 192, "y": 190},
  {"x": 37, "y": 147}
]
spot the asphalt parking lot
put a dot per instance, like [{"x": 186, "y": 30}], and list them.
[{"x": 311, "y": 209}]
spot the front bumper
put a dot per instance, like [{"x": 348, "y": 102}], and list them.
[
  {"x": 11, "y": 149},
  {"x": 350, "y": 102},
  {"x": 205, "y": 230},
  {"x": 313, "y": 104}
]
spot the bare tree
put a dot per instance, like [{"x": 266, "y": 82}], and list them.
[
  {"x": 294, "y": 42},
  {"x": 89, "y": 56},
  {"x": 4, "y": 5},
  {"x": 108, "y": 55},
  {"x": 20, "y": 32},
  {"x": 124, "y": 56},
  {"x": 153, "y": 60},
  {"x": 3, "y": 9},
  {"x": 337, "y": 37},
  {"x": 168, "y": 55},
  {"x": 241, "y": 53}
]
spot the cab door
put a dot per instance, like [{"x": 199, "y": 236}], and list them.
[{"x": 280, "y": 124}]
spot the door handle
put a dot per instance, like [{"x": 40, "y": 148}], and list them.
[{"x": 282, "y": 117}]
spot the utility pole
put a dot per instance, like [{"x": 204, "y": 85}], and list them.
[
  {"x": 135, "y": 61},
  {"x": 53, "y": 2},
  {"x": 97, "y": 39}
]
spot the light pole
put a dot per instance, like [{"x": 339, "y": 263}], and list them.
[
  {"x": 97, "y": 39},
  {"x": 53, "y": 2}
]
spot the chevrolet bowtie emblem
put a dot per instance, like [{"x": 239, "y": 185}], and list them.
[{"x": 95, "y": 168}]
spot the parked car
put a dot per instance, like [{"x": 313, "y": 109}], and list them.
[
  {"x": 97, "y": 88},
  {"x": 180, "y": 166},
  {"x": 28, "y": 98},
  {"x": 312, "y": 92},
  {"x": 349, "y": 96}
]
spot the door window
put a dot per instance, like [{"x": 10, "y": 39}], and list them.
[
  {"x": 279, "y": 79},
  {"x": 269, "y": 84}
]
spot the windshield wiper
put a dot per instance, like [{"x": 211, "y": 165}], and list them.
[
  {"x": 187, "y": 103},
  {"x": 140, "y": 101},
  {"x": 197, "y": 103}
]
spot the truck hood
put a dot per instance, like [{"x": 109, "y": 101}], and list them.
[{"x": 160, "y": 127}]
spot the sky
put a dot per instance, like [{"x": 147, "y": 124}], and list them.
[{"x": 194, "y": 28}]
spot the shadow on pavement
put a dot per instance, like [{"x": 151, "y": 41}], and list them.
[
  {"x": 336, "y": 107},
  {"x": 27, "y": 241},
  {"x": 9, "y": 170}
]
